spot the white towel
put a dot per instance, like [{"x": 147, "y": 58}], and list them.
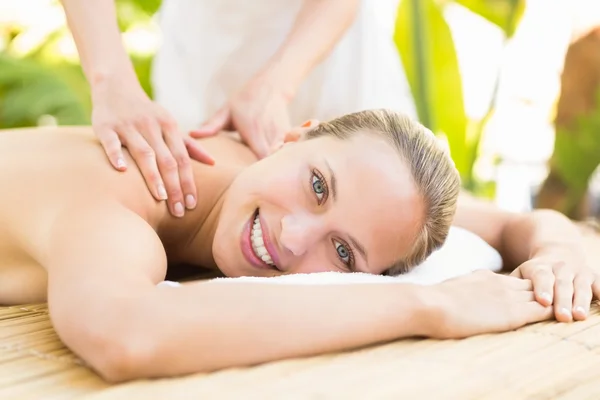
[{"x": 463, "y": 253}]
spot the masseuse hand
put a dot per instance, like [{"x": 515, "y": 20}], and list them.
[
  {"x": 482, "y": 302},
  {"x": 258, "y": 112},
  {"x": 561, "y": 277},
  {"x": 123, "y": 115}
]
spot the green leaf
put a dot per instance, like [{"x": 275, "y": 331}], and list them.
[
  {"x": 429, "y": 57},
  {"x": 29, "y": 90},
  {"x": 143, "y": 68},
  {"x": 504, "y": 13},
  {"x": 577, "y": 151},
  {"x": 130, "y": 12},
  {"x": 150, "y": 7}
]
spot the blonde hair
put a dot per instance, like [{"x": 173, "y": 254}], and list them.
[{"x": 431, "y": 167}]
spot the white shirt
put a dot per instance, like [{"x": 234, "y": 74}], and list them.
[{"x": 212, "y": 47}]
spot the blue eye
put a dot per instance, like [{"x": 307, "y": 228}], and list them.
[
  {"x": 319, "y": 186},
  {"x": 344, "y": 253}
]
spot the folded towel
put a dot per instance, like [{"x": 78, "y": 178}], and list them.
[{"x": 462, "y": 253}]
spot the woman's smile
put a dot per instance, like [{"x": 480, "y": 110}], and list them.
[{"x": 257, "y": 245}]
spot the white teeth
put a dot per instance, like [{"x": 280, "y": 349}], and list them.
[{"x": 258, "y": 244}]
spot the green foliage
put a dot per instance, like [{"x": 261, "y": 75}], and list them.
[
  {"x": 143, "y": 69},
  {"x": 427, "y": 49},
  {"x": 130, "y": 12},
  {"x": 44, "y": 83},
  {"x": 30, "y": 89},
  {"x": 577, "y": 154},
  {"x": 429, "y": 57},
  {"x": 506, "y": 14}
]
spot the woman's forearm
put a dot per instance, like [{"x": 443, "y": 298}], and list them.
[
  {"x": 209, "y": 326},
  {"x": 537, "y": 233},
  {"x": 316, "y": 30},
  {"x": 98, "y": 39}
]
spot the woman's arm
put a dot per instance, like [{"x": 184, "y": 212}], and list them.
[
  {"x": 124, "y": 115},
  {"x": 98, "y": 39},
  {"x": 105, "y": 306},
  {"x": 100, "y": 258},
  {"x": 206, "y": 326},
  {"x": 517, "y": 236}
]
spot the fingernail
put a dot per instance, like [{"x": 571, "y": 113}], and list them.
[
  {"x": 564, "y": 311},
  {"x": 178, "y": 209},
  {"x": 190, "y": 201},
  {"x": 546, "y": 296},
  {"x": 120, "y": 162},
  {"x": 162, "y": 192},
  {"x": 579, "y": 310},
  {"x": 306, "y": 124}
]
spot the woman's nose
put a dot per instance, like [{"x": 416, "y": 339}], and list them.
[{"x": 299, "y": 232}]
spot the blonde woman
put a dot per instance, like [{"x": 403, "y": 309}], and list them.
[{"x": 370, "y": 192}]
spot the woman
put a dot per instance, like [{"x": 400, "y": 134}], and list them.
[
  {"x": 368, "y": 192},
  {"x": 255, "y": 67}
]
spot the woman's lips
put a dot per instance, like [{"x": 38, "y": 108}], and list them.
[{"x": 246, "y": 246}]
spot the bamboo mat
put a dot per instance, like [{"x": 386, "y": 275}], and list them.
[{"x": 542, "y": 361}]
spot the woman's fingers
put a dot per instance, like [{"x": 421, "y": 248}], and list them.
[
  {"x": 582, "y": 297},
  {"x": 145, "y": 158},
  {"x": 259, "y": 145},
  {"x": 168, "y": 166},
  {"x": 536, "y": 312},
  {"x": 596, "y": 286},
  {"x": 112, "y": 147},
  {"x": 515, "y": 283},
  {"x": 543, "y": 281},
  {"x": 197, "y": 152},
  {"x": 218, "y": 122},
  {"x": 186, "y": 184},
  {"x": 162, "y": 157},
  {"x": 563, "y": 294},
  {"x": 525, "y": 296}
]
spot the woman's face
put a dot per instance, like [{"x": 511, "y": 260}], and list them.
[{"x": 319, "y": 205}]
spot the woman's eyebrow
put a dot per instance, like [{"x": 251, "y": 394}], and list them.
[{"x": 333, "y": 183}]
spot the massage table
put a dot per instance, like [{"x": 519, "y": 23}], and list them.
[{"x": 541, "y": 361}]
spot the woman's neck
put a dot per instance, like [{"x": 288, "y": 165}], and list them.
[{"x": 189, "y": 239}]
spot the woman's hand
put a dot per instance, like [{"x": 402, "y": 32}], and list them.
[
  {"x": 562, "y": 277},
  {"x": 483, "y": 302},
  {"x": 258, "y": 113},
  {"x": 123, "y": 115}
]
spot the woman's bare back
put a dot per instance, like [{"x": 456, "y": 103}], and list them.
[{"x": 46, "y": 172}]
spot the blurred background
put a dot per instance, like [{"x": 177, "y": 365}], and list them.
[{"x": 512, "y": 86}]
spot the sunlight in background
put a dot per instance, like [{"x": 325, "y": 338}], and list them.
[
  {"x": 44, "y": 16},
  {"x": 520, "y": 131}
]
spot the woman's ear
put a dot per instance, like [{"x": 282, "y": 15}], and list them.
[
  {"x": 299, "y": 132},
  {"x": 295, "y": 134}
]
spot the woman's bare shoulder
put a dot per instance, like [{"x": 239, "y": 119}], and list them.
[
  {"x": 228, "y": 147},
  {"x": 42, "y": 170}
]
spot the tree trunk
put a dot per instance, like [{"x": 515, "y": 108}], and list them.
[{"x": 580, "y": 85}]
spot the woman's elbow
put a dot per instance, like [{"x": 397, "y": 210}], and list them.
[
  {"x": 121, "y": 359},
  {"x": 110, "y": 346}
]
